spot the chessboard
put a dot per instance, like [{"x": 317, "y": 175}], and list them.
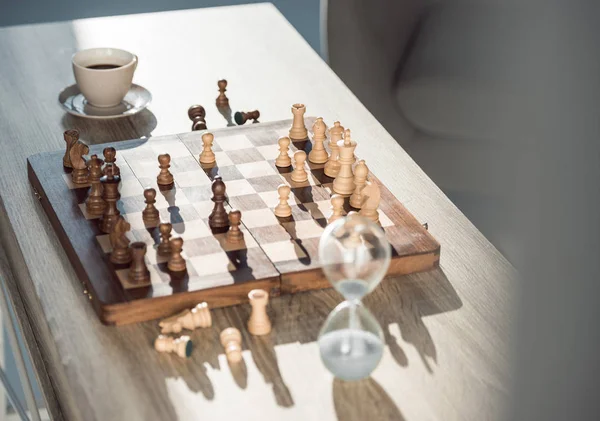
[{"x": 279, "y": 255}]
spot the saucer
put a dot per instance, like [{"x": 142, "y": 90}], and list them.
[{"x": 73, "y": 102}]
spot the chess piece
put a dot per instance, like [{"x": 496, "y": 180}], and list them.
[
  {"x": 207, "y": 156},
  {"x": 110, "y": 156},
  {"x": 259, "y": 323},
  {"x": 181, "y": 346},
  {"x": 283, "y": 209},
  {"x": 299, "y": 175},
  {"x": 71, "y": 136},
  {"x": 241, "y": 117},
  {"x": 138, "y": 272},
  {"x": 94, "y": 204},
  {"x": 120, "y": 254},
  {"x": 164, "y": 247},
  {"x": 150, "y": 215},
  {"x": 110, "y": 195},
  {"x": 337, "y": 208},
  {"x": 360, "y": 178},
  {"x": 318, "y": 154},
  {"x": 371, "y": 199},
  {"x": 165, "y": 178},
  {"x": 231, "y": 339},
  {"x": 197, "y": 114},
  {"x": 235, "y": 235},
  {"x": 344, "y": 181},
  {"x": 298, "y": 130},
  {"x": 283, "y": 160},
  {"x": 78, "y": 163},
  {"x": 190, "y": 319},
  {"x": 218, "y": 218},
  {"x": 332, "y": 166},
  {"x": 176, "y": 261},
  {"x": 222, "y": 100}
]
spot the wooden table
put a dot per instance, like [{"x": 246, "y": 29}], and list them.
[{"x": 447, "y": 331}]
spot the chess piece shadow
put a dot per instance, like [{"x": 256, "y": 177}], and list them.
[
  {"x": 290, "y": 226},
  {"x": 225, "y": 111},
  {"x": 239, "y": 259},
  {"x": 363, "y": 400},
  {"x": 180, "y": 281},
  {"x": 239, "y": 372},
  {"x": 176, "y": 220},
  {"x": 265, "y": 358}
]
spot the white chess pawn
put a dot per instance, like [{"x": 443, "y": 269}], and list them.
[
  {"x": 344, "y": 181},
  {"x": 207, "y": 156},
  {"x": 182, "y": 346},
  {"x": 231, "y": 339},
  {"x": 299, "y": 175},
  {"x": 259, "y": 323},
  {"x": 298, "y": 130},
  {"x": 318, "y": 154},
  {"x": 283, "y": 160},
  {"x": 360, "y": 178},
  {"x": 337, "y": 208},
  {"x": 283, "y": 209},
  {"x": 332, "y": 166},
  {"x": 371, "y": 199}
]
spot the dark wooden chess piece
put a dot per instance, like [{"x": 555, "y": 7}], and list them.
[
  {"x": 218, "y": 217},
  {"x": 78, "y": 163},
  {"x": 165, "y": 179},
  {"x": 235, "y": 235},
  {"x": 138, "y": 271},
  {"x": 120, "y": 254},
  {"x": 176, "y": 261},
  {"x": 222, "y": 100},
  {"x": 94, "y": 204},
  {"x": 150, "y": 215},
  {"x": 197, "y": 114},
  {"x": 71, "y": 136},
  {"x": 110, "y": 194},
  {"x": 241, "y": 117},
  {"x": 164, "y": 247},
  {"x": 110, "y": 156}
]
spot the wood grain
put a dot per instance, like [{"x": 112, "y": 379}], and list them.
[{"x": 448, "y": 331}]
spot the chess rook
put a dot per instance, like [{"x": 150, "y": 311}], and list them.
[
  {"x": 344, "y": 181},
  {"x": 181, "y": 346},
  {"x": 176, "y": 261},
  {"x": 190, "y": 319},
  {"x": 94, "y": 204},
  {"x": 110, "y": 158},
  {"x": 218, "y": 218},
  {"x": 241, "y": 117},
  {"x": 120, "y": 254},
  {"x": 71, "y": 136},
  {"x": 197, "y": 114},
  {"x": 283, "y": 209},
  {"x": 299, "y": 175},
  {"x": 138, "y": 271},
  {"x": 150, "y": 214},
  {"x": 207, "y": 156},
  {"x": 80, "y": 169},
  {"x": 165, "y": 178},
  {"x": 259, "y": 323},
  {"x": 283, "y": 160},
  {"x": 110, "y": 195},
  {"x": 332, "y": 166},
  {"x": 360, "y": 178},
  {"x": 164, "y": 247},
  {"x": 337, "y": 208},
  {"x": 298, "y": 130},
  {"x": 235, "y": 235},
  {"x": 318, "y": 154},
  {"x": 222, "y": 100},
  {"x": 231, "y": 339},
  {"x": 371, "y": 196}
]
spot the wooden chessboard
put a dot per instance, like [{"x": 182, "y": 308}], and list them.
[{"x": 279, "y": 255}]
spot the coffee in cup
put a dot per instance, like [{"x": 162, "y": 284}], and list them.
[{"x": 104, "y": 75}]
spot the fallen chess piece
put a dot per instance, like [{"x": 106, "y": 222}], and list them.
[
  {"x": 182, "y": 346},
  {"x": 241, "y": 117},
  {"x": 191, "y": 319},
  {"x": 259, "y": 323},
  {"x": 231, "y": 339},
  {"x": 197, "y": 114}
]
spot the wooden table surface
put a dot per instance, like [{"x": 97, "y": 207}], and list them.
[{"x": 447, "y": 332}]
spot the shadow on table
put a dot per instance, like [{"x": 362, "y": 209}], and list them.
[{"x": 363, "y": 400}]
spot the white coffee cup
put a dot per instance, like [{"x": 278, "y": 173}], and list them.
[{"x": 104, "y": 87}]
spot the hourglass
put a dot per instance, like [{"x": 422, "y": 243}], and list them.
[{"x": 355, "y": 256}]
